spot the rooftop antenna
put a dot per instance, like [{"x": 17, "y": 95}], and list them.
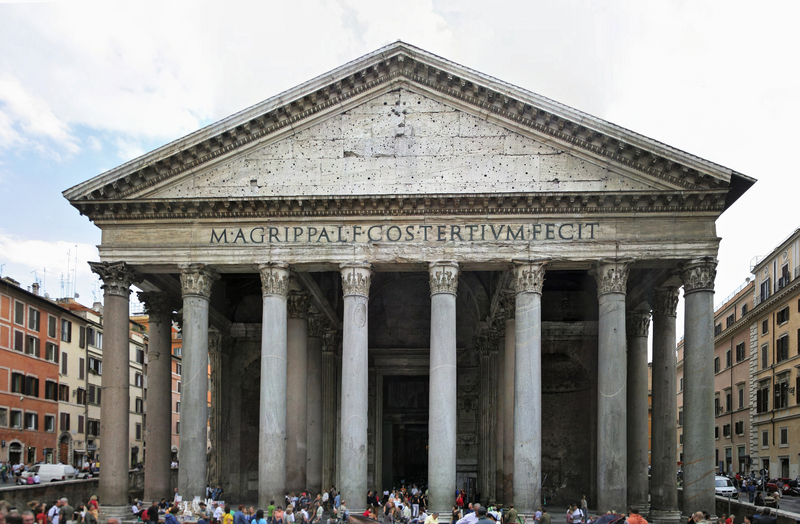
[
  {"x": 1, "y": 269},
  {"x": 75, "y": 274},
  {"x": 65, "y": 293}
]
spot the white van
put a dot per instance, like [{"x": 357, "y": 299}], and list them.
[
  {"x": 51, "y": 472},
  {"x": 724, "y": 487}
]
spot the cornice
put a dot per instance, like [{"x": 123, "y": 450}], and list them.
[
  {"x": 408, "y": 205},
  {"x": 402, "y": 63},
  {"x": 757, "y": 311}
]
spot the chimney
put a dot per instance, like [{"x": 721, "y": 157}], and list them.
[
  {"x": 98, "y": 307},
  {"x": 35, "y": 288}
]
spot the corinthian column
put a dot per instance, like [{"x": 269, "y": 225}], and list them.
[
  {"x": 507, "y": 386},
  {"x": 637, "y": 330},
  {"x": 216, "y": 466},
  {"x": 442, "y": 423},
  {"x": 114, "y": 412},
  {"x": 698, "y": 391},
  {"x": 272, "y": 409},
  {"x": 158, "y": 430},
  {"x": 330, "y": 396},
  {"x": 316, "y": 326},
  {"x": 664, "y": 443},
  {"x": 356, "y": 278},
  {"x": 487, "y": 350},
  {"x": 297, "y": 391},
  {"x": 612, "y": 442},
  {"x": 529, "y": 278},
  {"x": 196, "y": 281}
]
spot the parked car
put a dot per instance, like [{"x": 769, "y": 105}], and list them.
[
  {"x": 772, "y": 485},
  {"x": 724, "y": 487},
  {"x": 51, "y": 472}
]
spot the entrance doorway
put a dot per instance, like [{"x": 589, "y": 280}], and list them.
[
  {"x": 15, "y": 453},
  {"x": 31, "y": 455},
  {"x": 405, "y": 431},
  {"x": 63, "y": 450}
]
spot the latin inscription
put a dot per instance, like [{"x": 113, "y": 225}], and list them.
[{"x": 532, "y": 232}]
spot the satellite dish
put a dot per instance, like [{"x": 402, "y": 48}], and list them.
[{"x": 77, "y": 295}]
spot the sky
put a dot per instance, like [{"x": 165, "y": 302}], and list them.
[{"x": 86, "y": 86}]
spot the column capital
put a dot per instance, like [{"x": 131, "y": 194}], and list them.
[
  {"x": 486, "y": 343},
  {"x": 117, "y": 277},
  {"x": 196, "y": 280},
  {"x": 638, "y": 323},
  {"x": 699, "y": 275},
  {"x": 443, "y": 277},
  {"x": 214, "y": 341},
  {"x": 297, "y": 305},
  {"x": 612, "y": 275},
  {"x": 529, "y": 275},
  {"x": 356, "y": 278},
  {"x": 159, "y": 305},
  {"x": 274, "y": 278},
  {"x": 509, "y": 303},
  {"x": 665, "y": 301},
  {"x": 317, "y": 324},
  {"x": 330, "y": 341}
]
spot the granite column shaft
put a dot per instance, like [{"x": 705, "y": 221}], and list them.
[
  {"x": 698, "y": 391},
  {"x": 664, "y": 443},
  {"x": 509, "y": 363},
  {"x": 637, "y": 430},
  {"x": 356, "y": 278},
  {"x": 196, "y": 281},
  {"x": 314, "y": 415},
  {"x": 612, "y": 462},
  {"x": 272, "y": 409},
  {"x": 442, "y": 424},
  {"x": 297, "y": 392},
  {"x": 115, "y": 409}
]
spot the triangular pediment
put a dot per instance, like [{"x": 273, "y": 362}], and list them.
[{"x": 403, "y": 122}]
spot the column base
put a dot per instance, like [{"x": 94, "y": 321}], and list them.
[
  {"x": 661, "y": 516},
  {"x": 123, "y": 513}
]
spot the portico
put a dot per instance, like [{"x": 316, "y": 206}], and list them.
[{"x": 405, "y": 247}]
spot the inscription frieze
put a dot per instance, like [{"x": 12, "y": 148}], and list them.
[{"x": 409, "y": 233}]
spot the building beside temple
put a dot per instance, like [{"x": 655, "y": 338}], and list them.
[{"x": 407, "y": 271}]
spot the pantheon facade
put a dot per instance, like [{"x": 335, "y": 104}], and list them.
[{"x": 406, "y": 271}]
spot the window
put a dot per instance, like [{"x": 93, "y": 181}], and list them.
[
  {"x": 51, "y": 326},
  {"x": 716, "y": 432},
  {"x": 179, "y": 387},
  {"x": 80, "y": 423},
  {"x": 33, "y": 319},
  {"x": 739, "y": 352},
  {"x": 81, "y": 367},
  {"x": 716, "y": 365},
  {"x": 726, "y": 430},
  {"x": 177, "y": 351},
  {"x": 762, "y": 398},
  {"x": 3, "y": 418},
  {"x": 95, "y": 366},
  {"x": 17, "y": 382},
  {"x": 177, "y": 428},
  {"x": 785, "y": 278},
  {"x": 784, "y": 436},
  {"x": 717, "y": 406},
  {"x": 138, "y": 431},
  {"x": 178, "y": 369},
  {"x": 764, "y": 356},
  {"x": 19, "y": 341},
  {"x": 63, "y": 393},
  {"x": 744, "y": 310},
  {"x": 728, "y": 401},
  {"x": 49, "y": 423},
  {"x": 140, "y": 356},
  {"x": 50, "y": 390},
  {"x": 94, "y": 394},
  {"x": 728, "y": 359},
  {"x": 782, "y": 348},
  {"x": 717, "y": 329},
  {"x": 32, "y": 346},
  {"x": 177, "y": 407},
  {"x": 765, "y": 290},
  {"x": 138, "y": 380},
  {"x": 19, "y": 313},
  {"x": 82, "y": 337},
  {"x": 93, "y": 428},
  {"x": 765, "y": 326},
  {"x": 139, "y": 405},
  {"x": 16, "y": 419},
  {"x": 783, "y": 316},
  {"x": 739, "y": 427},
  {"x": 741, "y": 397},
  {"x": 99, "y": 340},
  {"x": 680, "y": 417},
  {"x": 729, "y": 321},
  {"x": 782, "y": 394},
  {"x": 90, "y": 336},
  {"x": 64, "y": 421},
  {"x": 31, "y": 421},
  {"x": 51, "y": 352},
  {"x": 66, "y": 330},
  {"x": 80, "y": 395},
  {"x": 32, "y": 386},
  {"x": 64, "y": 367}
]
